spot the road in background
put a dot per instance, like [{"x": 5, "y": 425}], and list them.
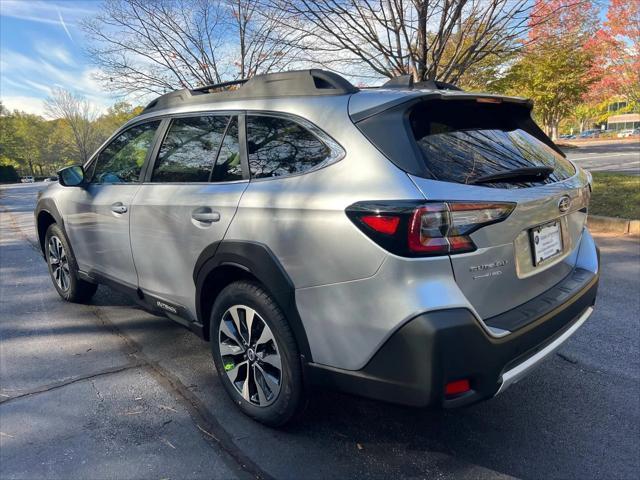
[
  {"x": 108, "y": 390},
  {"x": 613, "y": 157}
]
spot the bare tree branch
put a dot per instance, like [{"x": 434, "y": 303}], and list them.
[
  {"x": 430, "y": 39},
  {"x": 80, "y": 115},
  {"x": 153, "y": 46}
]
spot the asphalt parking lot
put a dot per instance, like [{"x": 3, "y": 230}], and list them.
[
  {"x": 109, "y": 391},
  {"x": 621, "y": 157}
]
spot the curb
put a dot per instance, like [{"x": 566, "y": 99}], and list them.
[{"x": 599, "y": 224}]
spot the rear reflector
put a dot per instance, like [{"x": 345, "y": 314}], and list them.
[
  {"x": 383, "y": 224},
  {"x": 457, "y": 387}
]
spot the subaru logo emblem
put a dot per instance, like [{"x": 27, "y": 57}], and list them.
[{"x": 564, "y": 204}]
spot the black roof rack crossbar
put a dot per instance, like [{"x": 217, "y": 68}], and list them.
[
  {"x": 406, "y": 82},
  {"x": 216, "y": 86}
]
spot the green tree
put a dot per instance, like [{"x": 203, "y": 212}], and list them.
[
  {"x": 554, "y": 78},
  {"x": 556, "y": 69},
  {"x": 115, "y": 116},
  {"x": 21, "y": 135},
  {"x": 58, "y": 146}
]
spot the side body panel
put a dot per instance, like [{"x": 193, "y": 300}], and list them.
[
  {"x": 99, "y": 235},
  {"x": 167, "y": 241},
  {"x": 302, "y": 218}
]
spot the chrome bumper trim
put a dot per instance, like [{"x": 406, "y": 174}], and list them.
[{"x": 521, "y": 370}]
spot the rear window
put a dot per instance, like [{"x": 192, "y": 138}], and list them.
[{"x": 462, "y": 141}]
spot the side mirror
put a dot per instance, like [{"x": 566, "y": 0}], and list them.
[{"x": 72, "y": 176}]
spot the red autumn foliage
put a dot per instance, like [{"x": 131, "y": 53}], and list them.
[
  {"x": 618, "y": 53},
  {"x": 555, "y": 20}
]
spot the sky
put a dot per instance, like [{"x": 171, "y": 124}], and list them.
[{"x": 41, "y": 46}]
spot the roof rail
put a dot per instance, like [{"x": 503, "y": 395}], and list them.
[
  {"x": 216, "y": 86},
  {"x": 406, "y": 82},
  {"x": 271, "y": 85}
]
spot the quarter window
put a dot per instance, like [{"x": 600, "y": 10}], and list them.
[
  {"x": 277, "y": 147},
  {"x": 121, "y": 161},
  {"x": 189, "y": 150}
]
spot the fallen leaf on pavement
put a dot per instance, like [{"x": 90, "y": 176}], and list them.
[
  {"x": 168, "y": 443},
  {"x": 205, "y": 432}
]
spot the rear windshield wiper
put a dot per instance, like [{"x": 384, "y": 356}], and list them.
[{"x": 516, "y": 175}]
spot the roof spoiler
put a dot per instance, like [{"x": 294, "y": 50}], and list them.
[{"x": 406, "y": 82}]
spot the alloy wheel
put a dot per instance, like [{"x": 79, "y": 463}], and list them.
[
  {"x": 250, "y": 355},
  {"x": 59, "y": 263}
]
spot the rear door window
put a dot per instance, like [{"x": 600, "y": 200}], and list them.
[
  {"x": 461, "y": 141},
  {"x": 190, "y": 148},
  {"x": 228, "y": 167}
]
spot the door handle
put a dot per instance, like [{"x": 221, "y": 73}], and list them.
[
  {"x": 205, "y": 215},
  {"x": 118, "y": 207}
]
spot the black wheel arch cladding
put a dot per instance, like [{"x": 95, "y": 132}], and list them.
[
  {"x": 255, "y": 260},
  {"x": 46, "y": 213}
]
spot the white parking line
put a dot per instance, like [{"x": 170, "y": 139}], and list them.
[{"x": 604, "y": 155}]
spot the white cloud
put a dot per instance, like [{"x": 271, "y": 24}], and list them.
[
  {"x": 26, "y": 81},
  {"x": 44, "y": 11},
  {"x": 54, "y": 53},
  {"x": 28, "y": 73},
  {"x": 26, "y": 104},
  {"x": 36, "y": 105}
]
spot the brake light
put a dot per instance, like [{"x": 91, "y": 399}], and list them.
[
  {"x": 412, "y": 228},
  {"x": 383, "y": 224}
]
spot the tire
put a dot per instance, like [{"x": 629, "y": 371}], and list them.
[
  {"x": 247, "y": 364},
  {"x": 63, "y": 268}
]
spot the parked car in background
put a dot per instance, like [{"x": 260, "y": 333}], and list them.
[
  {"x": 625, "y": 133},
  {"x": 27, "y": 179},
  {"x": 568, "y": 136},
  {"x": 590, "y": 134},
  {"x": 411, "y": 243},
  {"x": 52, "y": 178}
]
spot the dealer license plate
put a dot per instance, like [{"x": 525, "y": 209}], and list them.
[{"x": 546, "y": 241}]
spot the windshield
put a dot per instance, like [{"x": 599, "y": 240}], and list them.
[{"x": 462, "y": 141}]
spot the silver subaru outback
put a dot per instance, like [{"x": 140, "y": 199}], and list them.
[{"x": 412, "y": 243}]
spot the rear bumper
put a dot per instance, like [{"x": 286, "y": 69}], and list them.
[{"x": 435, "y": 348}]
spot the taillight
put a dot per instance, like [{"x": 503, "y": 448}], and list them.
[
  {"x": 381, "y": 223},
  {"x": 426, "y": 228}
]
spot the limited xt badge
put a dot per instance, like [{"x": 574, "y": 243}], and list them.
[
  {"x": 487, "y": 269},
  {"x": 488, "y": 266}
]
